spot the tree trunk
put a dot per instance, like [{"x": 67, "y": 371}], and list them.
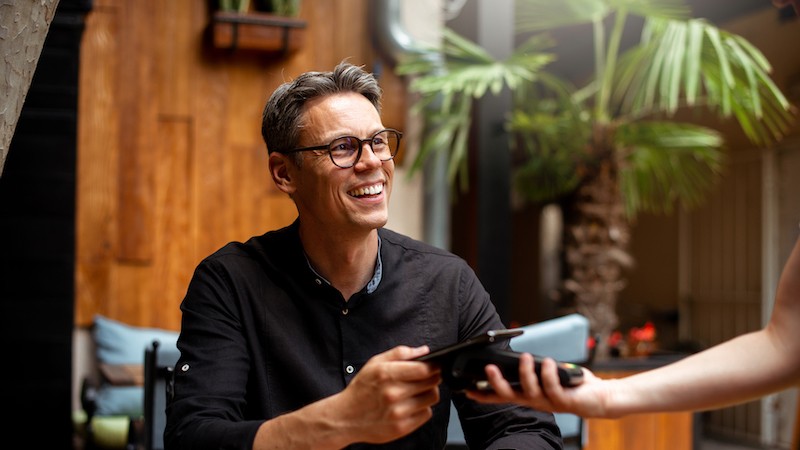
[
  {"x": 597, "y": 235},
  {"x": 23, "y": 28}
]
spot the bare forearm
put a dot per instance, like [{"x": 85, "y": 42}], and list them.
[
  {"x": 735, "y": 371},
  {"x": 739, "y": 370},
  {"x": 312, "y": 427}
]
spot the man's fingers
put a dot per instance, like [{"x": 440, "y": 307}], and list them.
[
  {"x": 397, "y": 366},
  {"x": 402, "y": 353}
]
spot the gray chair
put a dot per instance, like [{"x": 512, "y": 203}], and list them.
[
  {"x": 159, "y": 364},
  {"x": 565, "y": 339}
]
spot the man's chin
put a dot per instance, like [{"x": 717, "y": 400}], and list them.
[{"x": 374, "y": 221}]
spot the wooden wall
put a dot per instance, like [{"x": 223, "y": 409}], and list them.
[{"x": 171, "y": 165}]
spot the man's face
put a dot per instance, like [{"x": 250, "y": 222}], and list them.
[{"x": 341, "y": 200}]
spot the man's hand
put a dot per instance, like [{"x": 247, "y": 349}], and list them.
[{"x": 391, "y": 396}]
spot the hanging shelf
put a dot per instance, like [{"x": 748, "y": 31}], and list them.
[{"x": 257, "y": 31}]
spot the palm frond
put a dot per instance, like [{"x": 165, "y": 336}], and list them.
[
  {"x": 550, "y": 128},
  {"x": 446, "y": 92},
  {"x": 541, "y": 15},
  {"x": 665, "y": 9},
  {"x": 547, "y": 171},
  {"x": 692, "y": 63},
  {"x": 662, "y": 163}
]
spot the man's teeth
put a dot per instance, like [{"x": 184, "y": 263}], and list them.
[{"x": 369, "y": 190}]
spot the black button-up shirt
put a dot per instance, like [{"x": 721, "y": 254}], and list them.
[{"x": 262, "y": 334}]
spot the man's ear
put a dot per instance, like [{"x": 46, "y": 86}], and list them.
[{"x": 282, "y": 171}]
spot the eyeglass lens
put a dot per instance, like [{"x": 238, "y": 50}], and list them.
[{"x": 346, "y": 150}]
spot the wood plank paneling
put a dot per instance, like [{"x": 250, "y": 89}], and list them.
[
  {"x": 172, "y": 164},
  {"x": 726, "y": 276},
  {"x": 137, "y": 111},
  {"x": 98, "y": 160},
  {"x": 655, "y": 431},
  {"x": 175, "y": 228}
]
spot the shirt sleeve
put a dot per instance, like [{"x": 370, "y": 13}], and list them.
[
  {"x": 207, "y": 411},
  {"x": 496, "y": 426}
]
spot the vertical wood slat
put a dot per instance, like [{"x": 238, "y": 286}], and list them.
[
  {"x": 727, "y": 234},
  {"x": 97, "y": 192},
  {"x": 137, "y": 113},
  {"x": 174, "y": 216}
]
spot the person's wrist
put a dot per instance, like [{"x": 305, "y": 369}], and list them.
[
  {"x": 615, "y": 399},
  {"x": 334, "y": 414}
]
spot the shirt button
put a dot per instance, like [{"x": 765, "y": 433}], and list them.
[
  {"x": 345, "y": 311},
  {"x": 349, "y": 369},
  {"x": 318, "y": 281},
  {"x": 185, "y": 368}
]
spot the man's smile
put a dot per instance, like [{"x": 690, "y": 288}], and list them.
[{"x": 375, "y": 189}]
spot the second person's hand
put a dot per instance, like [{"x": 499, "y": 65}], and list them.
[{"x": 586, "y": 399}]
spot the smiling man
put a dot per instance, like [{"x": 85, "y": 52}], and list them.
[{"x": 304, "y": 337}]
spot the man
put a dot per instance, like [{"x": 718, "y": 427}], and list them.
[{"x": 304, "y": 337}]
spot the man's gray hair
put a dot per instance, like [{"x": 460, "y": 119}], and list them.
[{"x": 283, "y": 113}]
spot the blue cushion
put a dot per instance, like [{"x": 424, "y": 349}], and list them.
[
  {"x": 120, "y": 401},
  {"x": 119, "y": 343}
]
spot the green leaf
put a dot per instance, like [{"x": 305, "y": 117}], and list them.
[
  {"x": 667, "y": 162},
  {"x": 663, "y": 9},
  {"x": 542, "y": 15},
  {"x": 538, "y": 15},
  {"x": 448, "y": 89},
  {"x": 678, "y": 64},
  {"x": 690, "y": 63}
]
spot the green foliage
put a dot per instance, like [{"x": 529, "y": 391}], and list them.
[
  {"x": 661, "y": 162},
  {"x": 288, "y": 8},
  {"x": 692, "y": 63},
  {"x": 551, "y": 130},
  {"x": 545, "y": 15},
  {"x": 447, "y": 94},
  {"x": 234, "y": 5},
  {"x": 679, "y": 62}
]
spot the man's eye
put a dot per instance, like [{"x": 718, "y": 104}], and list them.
[{"x": 344, "y": 145}]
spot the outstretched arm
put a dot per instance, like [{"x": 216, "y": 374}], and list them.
[{"x": 739, "y": 370}]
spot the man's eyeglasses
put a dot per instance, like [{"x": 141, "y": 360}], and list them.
[{"x": 345, "y": 151}]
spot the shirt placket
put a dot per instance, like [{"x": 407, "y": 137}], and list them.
[{"x": 350, "y": 354}]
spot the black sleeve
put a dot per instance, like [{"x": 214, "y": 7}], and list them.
[
  {"x": 497, "y": 426},
  {"x": 207, "y": 411}
]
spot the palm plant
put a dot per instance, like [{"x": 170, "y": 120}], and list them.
[{"x": 612, "y": 145}]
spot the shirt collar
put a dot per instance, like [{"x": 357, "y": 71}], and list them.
[{"x": 376, "y": 276}]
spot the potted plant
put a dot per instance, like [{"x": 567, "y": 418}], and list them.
[{"x": 266, "y": 26}]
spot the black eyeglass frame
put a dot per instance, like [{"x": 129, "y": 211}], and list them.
[{"x": 361, "y": 142}]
